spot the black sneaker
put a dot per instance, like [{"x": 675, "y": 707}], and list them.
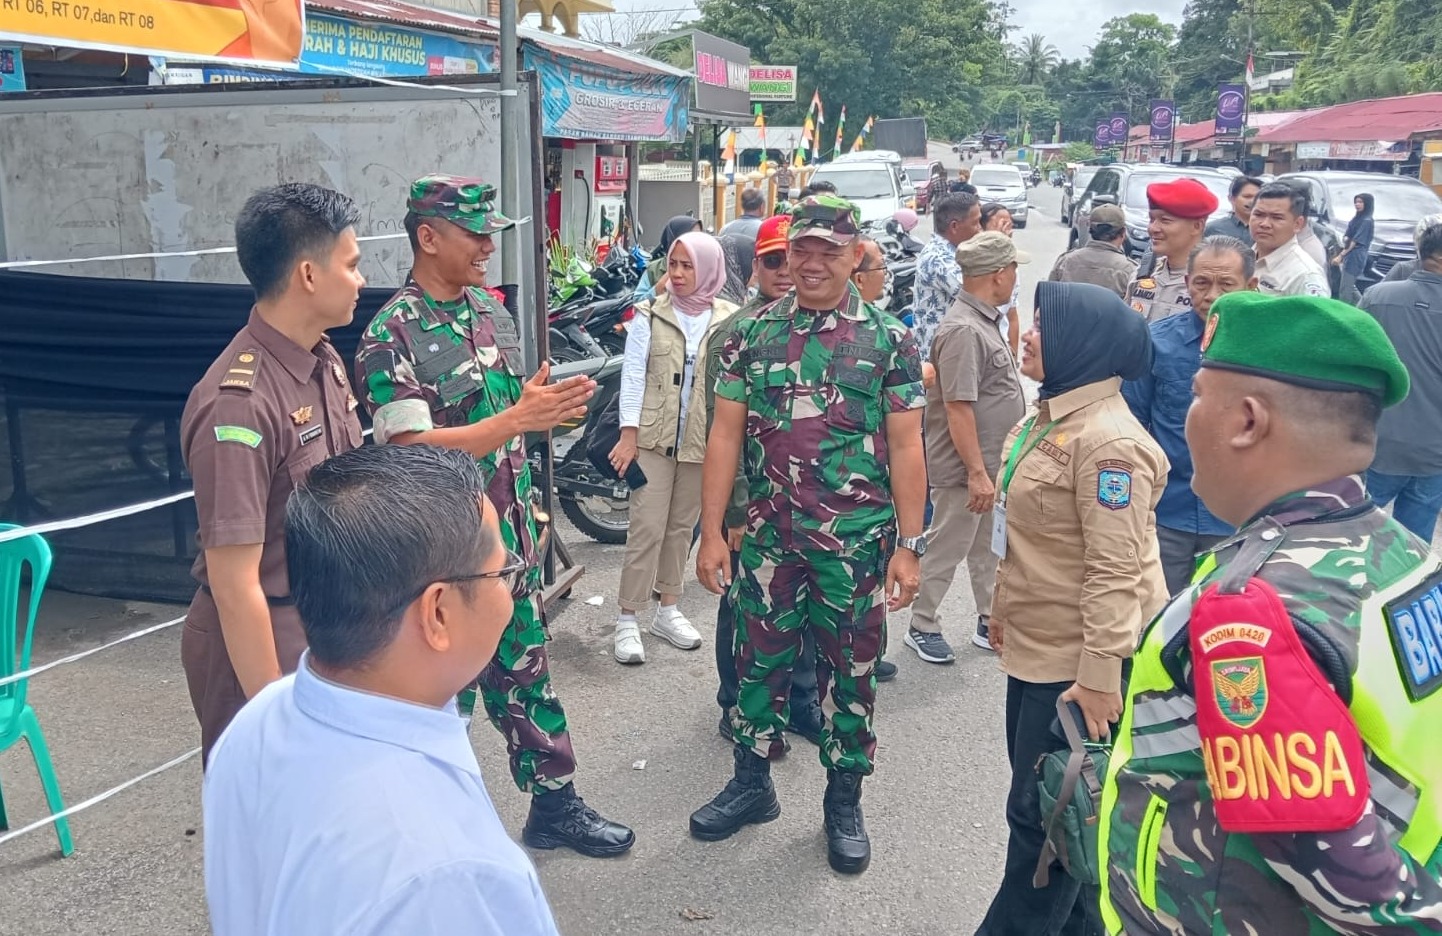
[
  {"x": 932, "y": 648},
  {"x": 885, "y": 671},
  {"x": 982, "y": 637},
  {"x": 560, "y": 818}
]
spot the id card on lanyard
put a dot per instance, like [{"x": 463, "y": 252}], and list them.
[{"x": 1019, "y": 450}]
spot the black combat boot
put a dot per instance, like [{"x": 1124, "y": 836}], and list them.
[
  {"x": 847, "y": 847},
  {"x": 560, "y": 818},
  {"x": 749, "y": 798}
]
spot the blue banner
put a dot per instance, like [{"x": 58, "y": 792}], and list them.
[
  {"x": 582, "y": 101},
  {"x": 1231, "y": 108},
  {"x": 12, "y": 69},
  {"x": 334, "y": 45}
]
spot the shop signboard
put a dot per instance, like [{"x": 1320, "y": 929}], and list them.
[
  {"x": 583, "y": 101},
  {"x": 773, "y": 82},
  {"x": 238, "y": 31},
  {"x": 12, "y": 69},
  {"x": 723, "y": 76}
]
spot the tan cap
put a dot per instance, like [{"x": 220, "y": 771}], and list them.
[
  {"x": 988, "y": 252},
  {"x": 1110, "y": 215}
]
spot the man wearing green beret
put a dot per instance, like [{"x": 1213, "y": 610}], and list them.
[
  {"x": 440, "y": 364},
  {"x": 1277, "y": 769}
]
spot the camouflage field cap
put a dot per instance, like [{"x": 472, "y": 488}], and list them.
[
  {"x": 466, "y": 202},
  {"x": 828, "y": 217}
]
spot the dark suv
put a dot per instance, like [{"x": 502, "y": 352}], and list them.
[
  {"x": 1400, "y": 202},
  {"x": 1126, "y": 184}
]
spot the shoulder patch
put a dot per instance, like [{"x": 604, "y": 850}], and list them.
[
  {"x": 241, "y": 434},
  {"x": 242, "y": 370},
  {"x": 1114, "y": 484},
  {"x": 1414, "y": 622}
]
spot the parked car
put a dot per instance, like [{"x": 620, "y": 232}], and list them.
[
  {"x": 929, "y": 178},
  {"x": 1025, "y": 169},
  {"x": 1073, "y": 187},
  {"x": 1125, "y": 184},
  {"x": 874, "y": 186},
  {"x": 1400, "y": 202},
  {"x": 1000, "y": 182}
]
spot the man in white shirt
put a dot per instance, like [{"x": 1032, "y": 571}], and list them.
[
  {"x": 346, "y": 798},
  {"x": 1283, "y": 268}
]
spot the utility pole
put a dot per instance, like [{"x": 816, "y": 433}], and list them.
[{"x": 511, "y": 241}]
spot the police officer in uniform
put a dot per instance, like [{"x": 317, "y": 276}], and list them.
[
  {"x": 441, "y": 364},
  {"x": 1277, "y": 770},
  {"x": 1179, "y": 212},
  {"x": 272, "y": 406},
  {"x": 824, "y": 391}
]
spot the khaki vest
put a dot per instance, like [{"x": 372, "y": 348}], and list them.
[{"x": 665, "y": 370}]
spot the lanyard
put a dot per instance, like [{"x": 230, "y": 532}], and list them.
[{"x": 1020, "y": 449}]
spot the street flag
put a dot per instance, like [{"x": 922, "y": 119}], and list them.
[
  {"x": 761, "y": 122},
  {"x": 1251, "y": 72},
  {"x": 861, "y": 137},
  {"x": 808, "y": 132},
  {"x": 840, "y": 128},
  {"x": 815, "y": 107},
  {"x": 729, "y": 154}
]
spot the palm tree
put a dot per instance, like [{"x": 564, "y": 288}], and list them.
[{"x": 1035, "y": 58}]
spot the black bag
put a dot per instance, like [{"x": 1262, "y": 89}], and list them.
[
  {"x": 1070, "y": 784},
  {"x": 602, "y": 438}
]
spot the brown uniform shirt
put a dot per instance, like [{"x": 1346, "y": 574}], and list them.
[
  {"x": 974, "y": 364},
  {"x": 1098, "y": 263},
  {"x": 1081, "y": 573},
  {"x": 264, "y": 414}
]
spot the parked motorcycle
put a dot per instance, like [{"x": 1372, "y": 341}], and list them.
[{"x": 570, "y": 340}]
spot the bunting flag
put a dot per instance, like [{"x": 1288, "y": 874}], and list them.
[
  {"x": 815, "y": 107},
  {"x": 729, "y": 155},
  {"x": 861, "y": 137},
  {"x": 808, "y": 132},
  {"x": 1251, "y": 72},
  {"x": 840, "y": 128},
  {"x": 761, "y": 123}
]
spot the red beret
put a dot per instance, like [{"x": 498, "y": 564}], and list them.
[{"x": 1184, "y": 198}]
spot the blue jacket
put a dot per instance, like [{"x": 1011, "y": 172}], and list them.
[{"x": 1160, "y": 401}]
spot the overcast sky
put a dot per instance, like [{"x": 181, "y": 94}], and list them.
[{"x": 1069, "y": 25}]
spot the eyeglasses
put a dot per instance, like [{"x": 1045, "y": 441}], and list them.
[
  {"x": 869, "y": 269},
  {"x": 773, "y": 261},
  {"x": 512, "y": 572}
]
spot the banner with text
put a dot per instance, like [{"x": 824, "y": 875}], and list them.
[
  {"x": 1231, "y": 109},
  {"x": 242, "y": 31},
  {"x": 1163, "y": 114},
  {"x": 12, "y": 69},
  {"x": 1103, "y": 137},
  {"x": 773, "y": 82},
  {"x": 582, "y": 101},
  {"x": 1119, "y": 128}
]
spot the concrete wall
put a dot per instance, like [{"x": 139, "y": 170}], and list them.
[
  {"x": 659, "y": 202},
  {"x": 167, "y": 170}
]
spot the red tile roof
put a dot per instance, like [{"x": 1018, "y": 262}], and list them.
[{"x": 1390, "y": 119}]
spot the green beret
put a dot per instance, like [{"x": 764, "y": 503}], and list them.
[{"x": 1309, "y": 341}]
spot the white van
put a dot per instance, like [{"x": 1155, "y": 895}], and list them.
[{"x": 873, "y": 186}]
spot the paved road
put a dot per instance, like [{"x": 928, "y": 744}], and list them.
[{"x": 649, "y": 755}]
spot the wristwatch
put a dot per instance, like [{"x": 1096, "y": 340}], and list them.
[{"x": 916, "y": 544}]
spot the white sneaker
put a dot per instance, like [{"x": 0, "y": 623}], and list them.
[
  {"x": 628, "y": 642},
  {"x": 671, "y": 625}
]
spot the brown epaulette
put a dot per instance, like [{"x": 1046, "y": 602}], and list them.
[{"x": 240, "y": 375}]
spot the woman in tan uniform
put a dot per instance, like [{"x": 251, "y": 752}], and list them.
[{"x": 1080, "y": 572}]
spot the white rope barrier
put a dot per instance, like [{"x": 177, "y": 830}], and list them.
[
  {"x": 134, "y": 635},
  {"x": 75, "y": 523},
  {"x": 99, "y": 797}
]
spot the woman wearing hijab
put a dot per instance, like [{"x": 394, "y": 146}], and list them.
[
  {"x": 681, "y": 224},
  {"x": 1079, "y": 574},
  {"x": 740, "y": 251},
  {"x": 1356, "y": 244},
  {"x": 663, "y": 382}
]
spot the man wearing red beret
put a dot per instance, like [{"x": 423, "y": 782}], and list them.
[{"x": 1179, "y": 212}]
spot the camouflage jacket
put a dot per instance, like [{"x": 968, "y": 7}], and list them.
[
  {"x": 424, "y": 364},
  {"x": 818, "y": 386},
  {"x": 736, "y": 509},
  {"x": 1171, "y": 868}
]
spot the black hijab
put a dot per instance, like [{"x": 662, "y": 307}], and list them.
[
  {"x": 1089, "y": 334},
  {"x": 740, "y": 252},
  {"x": 1354, "y": 227},
  {"x": 681, "y": 224}
]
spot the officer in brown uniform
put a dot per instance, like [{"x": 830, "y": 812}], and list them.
[{"x": 273, "y": 405}]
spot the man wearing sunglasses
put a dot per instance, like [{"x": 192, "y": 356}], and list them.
[
  {"x": 346, "y": 798},
  {"x": 441, "y": 364}
]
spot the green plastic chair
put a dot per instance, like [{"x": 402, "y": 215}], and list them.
[{"x": 17, "y": 719}]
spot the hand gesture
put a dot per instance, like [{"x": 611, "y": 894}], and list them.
[
  {"x": 983, "y": 493},
  {"x": 713, "y": 563},
  {"x": 544, "y": 406},
  {"x": 903, "y": 579}
]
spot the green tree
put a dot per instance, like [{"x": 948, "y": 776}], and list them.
[{"x": 1035, "y": 58}]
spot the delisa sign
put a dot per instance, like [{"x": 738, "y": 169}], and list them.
[
  {"x": 773, "y": 82},
  {"x": 240, "y": 31}
]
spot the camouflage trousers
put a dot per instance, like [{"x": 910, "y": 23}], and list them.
[
  {"x": 516, "y": 692},
  {"x": 778, "y": 595}
]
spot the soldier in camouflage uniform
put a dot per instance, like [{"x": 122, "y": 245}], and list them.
[
  {"x": 441, "y": 364},
  {"x": 1228, "y": 808},
  {"x": 825, "y": 392}
]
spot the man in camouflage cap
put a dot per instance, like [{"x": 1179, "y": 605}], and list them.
[
  {"x": 824, "y": 393},
  {"x": 1278, "y": 769},
  {"x": 441, "y": 364}
]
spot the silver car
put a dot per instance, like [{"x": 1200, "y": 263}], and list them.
[{"x": 998, "y": 182}]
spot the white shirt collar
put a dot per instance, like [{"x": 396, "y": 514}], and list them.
[{"x": 436, "y": 733}]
